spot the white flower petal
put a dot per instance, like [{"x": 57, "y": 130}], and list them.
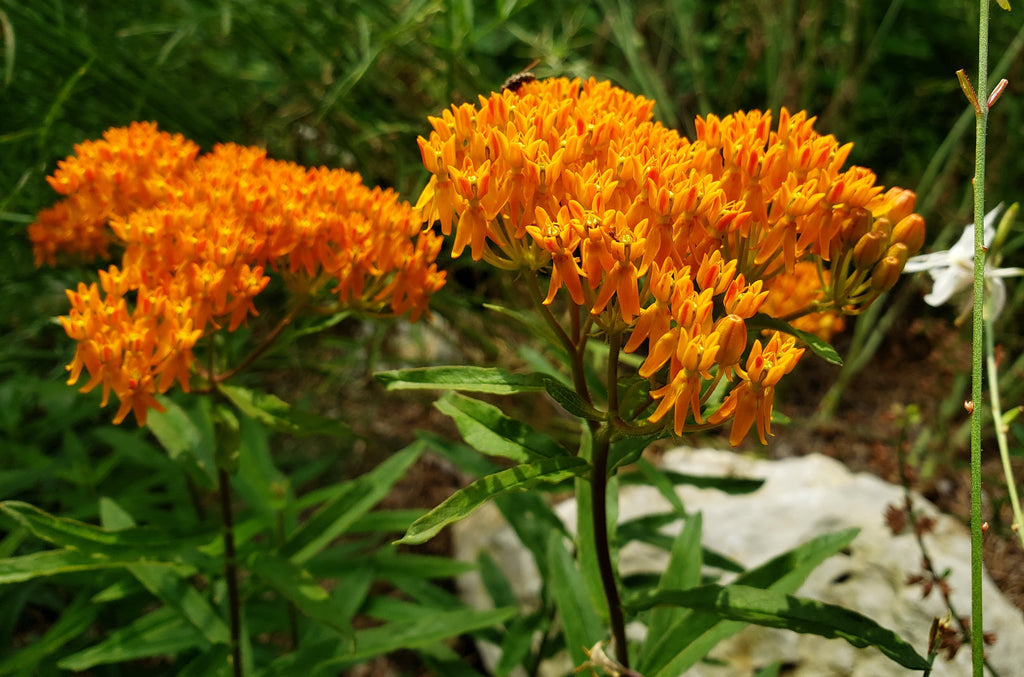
[
  {"x": 1003, "y": 272},
  {"x": 995, "y": 297},
  {"x": 922, "y": 262},
  {"x": 946, "y": 287}
]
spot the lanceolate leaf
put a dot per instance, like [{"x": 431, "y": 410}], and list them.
[
  {"x": 729, "y": 485},
  {"x": 159, "y": 633},
  {"x": 140, "y": 542},
  {"x": 68, "y": 560},
  {"x": 695, "y": 633},
  {"x": 463, "y": 502},
  {"x": 583, "y": 628},
  {"x": 466, "y": 379},
  {"x": 302, "y": 590},
  {"x": 820, "y": 348},
  {"x": 777, "y": 610},
  {"x": 277, "y": 414},
  {"x": 355, "y": 500},
  {"x": 487, "y": 429}
]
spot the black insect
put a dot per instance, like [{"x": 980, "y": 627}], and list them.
[{"x": 517, "y": 80}]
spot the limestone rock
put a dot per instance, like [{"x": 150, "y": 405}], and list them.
[{"x": 802, "y": 497}]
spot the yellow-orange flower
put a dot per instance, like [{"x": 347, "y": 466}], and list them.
[
  {"x": 661, "y": 237},
  {"x": 199, "y": 243},
  {"x": 750, "y": 402}
]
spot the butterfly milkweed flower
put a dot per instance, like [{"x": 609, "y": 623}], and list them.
[
  {"x": 199, "y": 237},
  {"x": 674, "y": 243}
]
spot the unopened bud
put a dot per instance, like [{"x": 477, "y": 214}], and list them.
[
  {"x": 900, "y": 252},
  {"x": 732, "y": 339},
  {"x": 902, "y": 201},
  {"x": 869, "y": 249},
  {"x": 856, "y": 225},
  {"x": 910, "y": 231},
  {"x": 886, "y": 273},
  {"x": 884, "y": 226}
]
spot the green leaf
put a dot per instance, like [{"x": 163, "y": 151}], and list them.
[
  {"x": 681, "y": 573},
  {"x": 571, "y": 401},
  {"x": 467, "y": 379},
  {"x": 67, "y": 561},
  {"x": 302, "y": 590},
  {"x": 182, "y": 597},
  {"x": 656, "y": 478},
  {"x": 517, "y": 641},
  {"x": 74, "y": 619},
  {"x": 582, "y": 626},
  {"x": 183, "y": 440},
  {"x": 777, "y": 610},
  {"x": 530, "y": 320},
  {"x": 354, "y": 500},
  {"x": 628, "y": 450},
  {"x": 278, "y": 415},
  {"x": 159, "y": 633},
  {"x": 819, "y": 347},
  {"x": 695, "y": 633},
  {"x": 139, "y": 542},
  {"x": 488, "y": 430},
  {"x": 465, "y": 501},
  {"x": 729, "y": 485},
  {"x": 414, "y": 634}
]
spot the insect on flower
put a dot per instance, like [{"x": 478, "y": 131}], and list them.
[{"x": 515, "y": 81}]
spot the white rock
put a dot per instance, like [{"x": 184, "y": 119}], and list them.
[{"x": 802, "y": 497}]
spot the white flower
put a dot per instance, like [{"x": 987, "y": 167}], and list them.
[{"x": 953, "y": 269}]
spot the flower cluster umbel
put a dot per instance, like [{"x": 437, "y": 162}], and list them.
[
  {"x": 675, "y": 243},
  {"x": 200, "y": 236}
]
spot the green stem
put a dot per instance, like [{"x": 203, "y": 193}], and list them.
[
  {"x": 997, "y": 421},
  {"x": 599, "y": 502},
  {"x": 599, "y": 517},
  {"x": 231, "y": 571},
  {"x": 981, "y": 129}
]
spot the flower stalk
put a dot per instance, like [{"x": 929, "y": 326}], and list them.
[{"x": 980, "y": 102}]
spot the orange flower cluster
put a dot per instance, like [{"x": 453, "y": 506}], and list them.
[
  {"x": 199, "y": 242},
  {"x": 656, "y": 235}
]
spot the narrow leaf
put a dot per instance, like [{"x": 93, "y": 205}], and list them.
[
  {"x": 681, "y": 573},
  {"x": 694, "y": 634},
  {"x": 338, "y": 515},
  {"x": 278, "y": 415},
  {"x": 465, "y": 501},
  {"x": 302, "y": 590},
  {"x": 729, "y": 485},
  {"x": 66, "y": 561},
  {"x": 818, "y": 346},
  {"x": 159, "y": 633},
  {"x": 74, "y": 620},
  {"x": 582, "y": 626},
  {"x": 142, "y": 542},
  {"x": 180, "y": 595},
  {"x": 467, "y": 379},
  {"x": 776, "y": 610},
  {"x": 488, "y": 430}
]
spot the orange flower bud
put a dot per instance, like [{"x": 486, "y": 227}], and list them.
[
  {"x": 856, "y": 225},
  {"x": 910, "y": 231},
  {"x": 886, "y": 273},
  {"x": 869, "y": 249},
  {"x": 732, "y": 340},
  {"x": 902, "y": 203},
  {"x": 900, "y": 252}
]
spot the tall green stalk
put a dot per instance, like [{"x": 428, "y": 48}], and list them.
[{"x": 981, "y": 105}]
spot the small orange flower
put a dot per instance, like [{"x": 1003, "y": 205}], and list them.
[{"x": 751, "y": 401}]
